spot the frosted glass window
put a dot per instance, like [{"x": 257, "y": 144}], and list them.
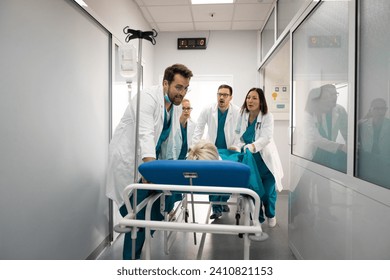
[
  {"x": 286, "y": 11},
  {"x": 320, "y": 86},
  {"x": 373, "y": 124},
  {"x": 268, "y": 35}
]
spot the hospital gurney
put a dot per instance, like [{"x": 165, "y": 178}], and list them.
[{"x": 189, "y": 177}]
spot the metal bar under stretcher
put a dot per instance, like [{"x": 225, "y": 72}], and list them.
[
  {"x": 198, "y": 189},
  {"x": 185, "y": 227}
]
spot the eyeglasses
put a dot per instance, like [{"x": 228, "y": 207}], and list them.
[
  {"x": 187, "y": 108},
  {"x": 180, "y": 88},
  {"x": 329, "y": 96},
  {"x": 224, "y": 95}
]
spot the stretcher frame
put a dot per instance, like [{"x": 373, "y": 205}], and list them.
[{"x": 248, "y": 203}]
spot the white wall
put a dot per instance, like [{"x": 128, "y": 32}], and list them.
[
  {"x": 115, "y": 15},
  {"x": 54, "y": 131},
  {"x": 228, "y": 53},
  {"x": 54, "y": 121}
]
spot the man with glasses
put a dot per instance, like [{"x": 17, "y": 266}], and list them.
[
  {"x": 221, "y": 120},
  {"x": 158, "y": 115}
]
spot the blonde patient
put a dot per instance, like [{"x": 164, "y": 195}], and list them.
[{"x": 203, "y": 150}]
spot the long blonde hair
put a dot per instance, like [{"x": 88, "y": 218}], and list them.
[{"x": 203, "y": 150}]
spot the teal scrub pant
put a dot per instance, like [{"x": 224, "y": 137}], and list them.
[
  {"x": 218, "y": 208},
  {"x": 155, "y": 215},
  {"x": 268, "y": 200}
]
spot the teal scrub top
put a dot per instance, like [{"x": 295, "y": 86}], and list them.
[
  {"x": 165, "y": 132},
  {"x": 184, "y": 146},
  {"x": 220, "y": 142},
  {"x": 249, "y": 134},
  {"x": 249, "y": 137}
]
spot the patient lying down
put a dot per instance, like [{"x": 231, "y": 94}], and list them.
[{"x": 203, "y": 150}]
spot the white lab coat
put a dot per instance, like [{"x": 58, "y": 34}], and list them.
[
  {"x": 209, "y": 116},
  {"x": 264, "y": 143},
  {"x": 310, "y": 138},
  {"x": 173, "y": 144},
  {"x": 120, "y": 171}
]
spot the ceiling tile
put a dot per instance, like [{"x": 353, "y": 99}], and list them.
[
  {"x": 170, "y": 14},
  {"x": 220, "y": 12},
  {"x": 204, "y": 26},
  {"x": 139, "y": 2},
  {"x": 176, "y": 26},
  {"x": 180, "y": 15},
  {"x": 146, "y": 14},
  {"x": 166, "y": 2},
  {"x": 251, "y": 11},
  {"x": 254, "y": 1}
]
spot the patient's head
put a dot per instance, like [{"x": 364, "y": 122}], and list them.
[{"x": 203, "y": 150}]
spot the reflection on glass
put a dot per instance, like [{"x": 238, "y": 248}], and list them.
[
  {"x": 268, "y": 35},
  {"x": 374, "y": 144},
  {"x": 287, "y": 9},
  {"x": 325, "y": 120},
  {"x": 373, "y": 128},
  {"x": 320, "y": 86}
]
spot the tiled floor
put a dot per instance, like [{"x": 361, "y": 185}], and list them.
[{"x": 218, "y": 246}]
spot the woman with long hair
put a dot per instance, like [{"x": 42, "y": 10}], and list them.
[{"x": 255, "y": 133}]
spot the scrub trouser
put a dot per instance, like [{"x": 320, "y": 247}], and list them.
[
  {"x": 155, "y": 215},
  {"x": 218, "y": 208},
  {"x": 268, "y": 200}
]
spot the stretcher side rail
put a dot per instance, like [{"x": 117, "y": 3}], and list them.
[
  {"x": 129, "y": 223},
  {"x": 128, "y": 191}
]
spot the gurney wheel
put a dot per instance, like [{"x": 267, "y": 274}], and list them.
[
  {"x": 122, "y": 229},
  {"x": 238, "y": 216},
  {"x": 186, "y": 215},
  {"x": 261, "y": 237}
]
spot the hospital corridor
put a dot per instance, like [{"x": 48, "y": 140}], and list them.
[{"x": 183, "y": 130}]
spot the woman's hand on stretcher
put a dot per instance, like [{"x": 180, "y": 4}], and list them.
[
  {"x": 146, "y": 159},
  {"x": 144, "y": 181}
]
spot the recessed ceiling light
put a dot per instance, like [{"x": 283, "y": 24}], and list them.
[{"x": 196, "y": 2}]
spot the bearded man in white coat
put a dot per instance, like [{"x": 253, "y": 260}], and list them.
[{"x": 158, "y": 114}]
